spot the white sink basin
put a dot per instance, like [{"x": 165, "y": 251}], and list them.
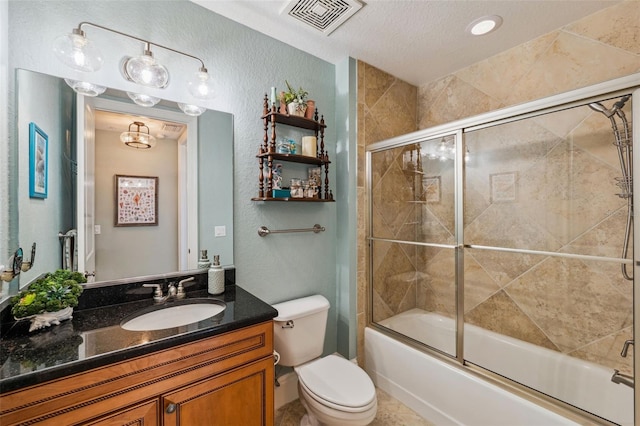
[{"x": 172, "y": 315}]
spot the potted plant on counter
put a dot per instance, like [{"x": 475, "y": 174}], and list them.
[
  {"x": 49, "y": 299},
  {"x": 296, "y": 100}
]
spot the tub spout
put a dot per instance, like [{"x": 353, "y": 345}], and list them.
[{"x": 625, "y": 379}]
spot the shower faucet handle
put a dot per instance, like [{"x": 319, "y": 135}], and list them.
[{"x": 625, "y": 348}]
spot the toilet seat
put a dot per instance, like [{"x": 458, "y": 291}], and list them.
[{"x": 337, "y": 383}]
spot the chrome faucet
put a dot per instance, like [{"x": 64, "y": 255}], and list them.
[
  {"x": 625, "y": 379},
  {"x": 625, "y": 348},
  {"x": 172, "y": 291}
]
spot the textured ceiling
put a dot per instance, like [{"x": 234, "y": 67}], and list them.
[{"x": 418, "y": 41}]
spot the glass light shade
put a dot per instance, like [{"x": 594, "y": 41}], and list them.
[
  {"x": 199, "y": 85},
  {"x": 192, "y": 110},
  {"x": 77, "y": 52},
  {"x": 84, "y": 88},
  {"x": 143, "y": 100},
  {"x": 136, "y": 138},
  {"x": 146, "y": 71}
]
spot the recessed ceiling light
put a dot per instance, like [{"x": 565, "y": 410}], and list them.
[{"x": 484, "y": 25}]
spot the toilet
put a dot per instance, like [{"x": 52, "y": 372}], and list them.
[{"x": 333, "y": 390}]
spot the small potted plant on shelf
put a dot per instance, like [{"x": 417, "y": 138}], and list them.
[
  {"x": 296, "y": 100},
  {"x": 49, "y": 299}
]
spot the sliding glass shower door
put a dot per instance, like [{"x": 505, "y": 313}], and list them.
[
  {"x": 508, "y": 244},
  {"x": 413, "y": 257},
  {"x": 548, "y": 209}
]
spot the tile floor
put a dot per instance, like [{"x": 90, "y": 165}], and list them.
[{"x": 391, "y": 412}]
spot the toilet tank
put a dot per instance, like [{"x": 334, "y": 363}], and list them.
[{"x": 299, "y": 329}]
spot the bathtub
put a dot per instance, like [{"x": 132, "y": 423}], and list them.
[{"x": 447, "y": 395}]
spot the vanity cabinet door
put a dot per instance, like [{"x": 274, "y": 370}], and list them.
[
  {"x": 145, "y": 414},
  {"x": 241, "y": 397}
]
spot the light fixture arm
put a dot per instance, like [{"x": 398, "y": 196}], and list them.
[{"x": 148, "y": 44}]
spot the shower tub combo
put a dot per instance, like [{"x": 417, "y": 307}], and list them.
[
  {"x": 505, "y": 233},
  {"x": 450, "y": 396}
]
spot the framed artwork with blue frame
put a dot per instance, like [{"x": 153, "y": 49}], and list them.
[{"x": 38, "y": 162}]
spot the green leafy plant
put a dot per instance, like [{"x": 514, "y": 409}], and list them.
[
  {"x": 292, "y": 95},
  {"x": 52, "y": 292}
]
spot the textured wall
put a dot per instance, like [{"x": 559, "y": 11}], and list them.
[{"x": 244, "y": 65}]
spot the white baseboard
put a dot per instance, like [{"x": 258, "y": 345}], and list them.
[{"x": 288, "y": 389}]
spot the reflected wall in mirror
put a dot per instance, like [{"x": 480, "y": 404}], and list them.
[{"x": 74, "y": 226}]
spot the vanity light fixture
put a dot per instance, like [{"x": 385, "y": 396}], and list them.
[
  {"x": 192, "y": 110},
  {"x": 84, "y": 88},
  {"x": 136, "y": 138},
  {"x": 484, "y": 25},
  {"x": 145, "y": 70},
  {"x": 79, "y": 53},
  {"x": 142, "y": 99}
]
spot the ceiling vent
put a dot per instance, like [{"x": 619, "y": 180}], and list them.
[
  {"x": 171, "y": 127},
  {"x": 322, "y": 15}
]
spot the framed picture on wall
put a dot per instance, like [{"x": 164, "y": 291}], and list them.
[
  {"x": 38, "y": 162},
  {"x": 503, "y": 187},
  {"x": 136, "y": 200}
]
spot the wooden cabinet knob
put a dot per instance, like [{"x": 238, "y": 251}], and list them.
[{"x": 171, "y": 408}]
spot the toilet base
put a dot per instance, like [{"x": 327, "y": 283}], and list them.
[
  {"x": 309, "y": 421},
  {"x": 319, "y": 415}
]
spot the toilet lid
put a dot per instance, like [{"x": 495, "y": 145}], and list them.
[{"x": 337, "y": 380}]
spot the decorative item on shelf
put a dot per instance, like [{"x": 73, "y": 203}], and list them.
[
  {"x": 296, "y": 100},
  {"x": 277, "y": 176},
  {"x": 283, "y": 146},
  {"x": 204, "y": 261},
  {"x": 281, "y": 193},
  {"x": 311, "y": 109},
  {"x": 216, "y": 277},
  {"x": 49, "y": 299},
  {"x": 315, "y": 175},
  {"x": 297, "y": 191},
  {"x": 283, "y": 103},
  {"x": 309, "y": 146}
]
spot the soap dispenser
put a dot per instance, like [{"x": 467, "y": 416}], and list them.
[
  {"x": 216, "y": 277},
  {"x": 203, "y": 262}
]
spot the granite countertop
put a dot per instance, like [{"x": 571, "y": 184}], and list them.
[{"x": 94, "y": 338}]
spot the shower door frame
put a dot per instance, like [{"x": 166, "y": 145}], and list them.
[{"x": 605, "y": 90}]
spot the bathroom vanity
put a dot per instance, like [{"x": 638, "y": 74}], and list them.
[{"x": 90, "y": 371}]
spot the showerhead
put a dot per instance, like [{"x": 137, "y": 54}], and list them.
[
  {"x": 617, "y": 107},
  {"x": 597, "y": 106},
  {"x": 620, "y": 104}
]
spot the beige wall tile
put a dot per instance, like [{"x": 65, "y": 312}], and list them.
[{"x": 617, "y": 26}]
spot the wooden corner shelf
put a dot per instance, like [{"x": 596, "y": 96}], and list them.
[{"x": 267, "y": 153}]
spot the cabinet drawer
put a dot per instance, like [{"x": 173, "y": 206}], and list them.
[{"x": 84, "y": 396}]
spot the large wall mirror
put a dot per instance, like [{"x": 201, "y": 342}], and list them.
[{"x": 86, "y": 221}]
